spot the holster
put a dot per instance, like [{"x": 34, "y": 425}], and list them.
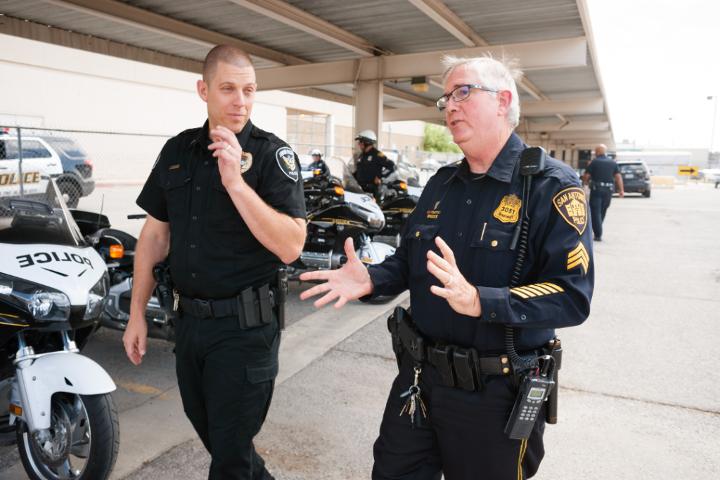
[
  {"x": 164, "y": 288},
  {"x": 405, "y": 337}
]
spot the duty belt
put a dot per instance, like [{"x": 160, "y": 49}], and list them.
[
  {"x": 604, "y": 184},
  {"x": 253, "y": 307},
  {"x": 463, "y": 367}
]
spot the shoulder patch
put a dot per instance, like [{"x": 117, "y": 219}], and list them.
[
  {"x": 572, "y": 207},
  {"x": 286, "y": 161}
]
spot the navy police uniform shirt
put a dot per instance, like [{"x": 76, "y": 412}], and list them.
[
  {"x": 213, "y": 253},
  {"x": 476, "y": 215},
  {"x": 603, "y": 170},
  {"x": 371, "y": 164}
]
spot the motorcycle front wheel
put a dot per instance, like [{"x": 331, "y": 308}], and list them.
[{"x": 81, "y": 444}]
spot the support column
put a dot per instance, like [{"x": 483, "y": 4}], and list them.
[
  {"x": 368, "y": 106},
  {"x": 329, "y": 136}
]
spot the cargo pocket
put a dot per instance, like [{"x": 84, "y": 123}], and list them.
[
  {"x": 420, "y": 239},
  {"x": 176, "y": 187},
  {"x": 262, "y": 374}
]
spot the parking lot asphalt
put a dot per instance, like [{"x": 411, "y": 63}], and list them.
[{"x": 639, "y": 395}]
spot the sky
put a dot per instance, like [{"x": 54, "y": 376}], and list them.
[{"x": 659, "y": 61}]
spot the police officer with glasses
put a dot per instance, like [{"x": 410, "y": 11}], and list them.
[{"x": 448, "y": 407}]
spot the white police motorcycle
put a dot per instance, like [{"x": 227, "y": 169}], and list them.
[{"x": 54, "y": 402}]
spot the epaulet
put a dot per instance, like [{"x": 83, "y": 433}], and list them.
[
  {"x": 561, "y": 171},
  {"x": 260, "y": 133},
  {"x": 187, "y": 136},
  {"x": 450, "y": 166}
]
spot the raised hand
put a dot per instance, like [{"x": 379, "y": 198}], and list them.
[
  {"x": 462, "y": 297},
  {"x": 350, "y": 282}
]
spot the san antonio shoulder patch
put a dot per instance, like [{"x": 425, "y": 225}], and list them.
[
  {"x": 286, "y": 161},
  {"x": 572, "y": 207}
]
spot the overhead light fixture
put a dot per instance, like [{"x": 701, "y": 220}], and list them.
[{"x": 419, "y": 84}]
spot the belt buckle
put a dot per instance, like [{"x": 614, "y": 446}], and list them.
[{"x": 203, "y": 307}]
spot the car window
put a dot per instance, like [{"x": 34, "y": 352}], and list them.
[
  {"x": 67, "y": 146},
  {"x": 636, "y": 168},
  {"x": 31, "y": 149}
]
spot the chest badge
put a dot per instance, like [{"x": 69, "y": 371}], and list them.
[
  {"x": 245, "y": 161},
  {"x": 571, "y": 205},
  {"x": 434, "y": 213},
  {"x": 509, "y": 209},
  {"x": 286, "y": 161}
]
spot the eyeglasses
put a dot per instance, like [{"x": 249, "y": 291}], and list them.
[{"x": 460, "y": 94}]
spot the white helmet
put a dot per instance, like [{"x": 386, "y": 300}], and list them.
[
  {"x": 316, "y": 151},
  {"x": 367, "y": 136}
]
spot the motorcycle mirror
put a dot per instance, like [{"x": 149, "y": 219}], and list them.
[{"x": 117, "y": 251}]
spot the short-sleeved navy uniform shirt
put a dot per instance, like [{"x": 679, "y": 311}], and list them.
[
  {"x": 477, "y": 215},
  {"x": 603, "y": 169},
  {"x": 213, "y": 253}
]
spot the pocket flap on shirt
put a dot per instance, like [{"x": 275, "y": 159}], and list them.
[
  {"x": 175, "y": 180},
  {"x": 493, "y": 238},
  {"x": 262, "y": 374},
  {"x": 422, "y": 231}
]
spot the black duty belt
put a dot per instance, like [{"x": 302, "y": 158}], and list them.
[
  {"x": 464, "y": 367},
  {"x": 604, "y": 184},
  {"x": 253, "y": 307}
]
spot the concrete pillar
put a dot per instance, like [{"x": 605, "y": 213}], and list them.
[
  {"x": 368, "y": 106},
  {"x": 329, "y": 136}
]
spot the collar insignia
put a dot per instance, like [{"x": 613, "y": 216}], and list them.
[
  {"x": 509, "y": 209},
  {"x": 571, "y": 205}
]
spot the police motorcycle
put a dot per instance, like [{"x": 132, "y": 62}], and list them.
[
  {"x": 55, "y": 403},
  {"x": 397, "y": 201},
  {"x": 338, "y": 209},
  {"x": 117, "y": 249}
]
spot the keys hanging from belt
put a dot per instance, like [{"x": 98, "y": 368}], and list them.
[{"x": 414, "y": 405}]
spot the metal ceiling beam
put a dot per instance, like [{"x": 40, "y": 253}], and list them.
[
  {"x": 297, "y": 18},
  {"x": 570, "y": 126},
  {"x": 527, "y": 109},
  {"x": 152, "y": 22},
  {"x": 446, "y": 18},
  {"x": 543, "y": 55},
  {"x": 65, "y": 38}
]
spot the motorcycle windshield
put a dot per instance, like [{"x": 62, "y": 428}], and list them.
[{"x": 38, "y": 217}]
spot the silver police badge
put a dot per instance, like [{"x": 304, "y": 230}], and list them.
[{"x": 286, "y": 161}]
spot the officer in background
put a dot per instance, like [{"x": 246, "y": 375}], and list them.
[
  {"x": 372, "y": 165},
  {"x": 317, "y": 162},
  {"x": 456, "y": 258},
  {"x": 226, "y": 203},
  {"x": 603, "y": 175}
]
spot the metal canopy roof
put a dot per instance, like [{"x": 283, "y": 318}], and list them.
[{"x": 320, "y": 47}]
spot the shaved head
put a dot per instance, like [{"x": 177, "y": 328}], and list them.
[
  {"x": 225, "y": 54},
  {"x": 600, "y": 149}
]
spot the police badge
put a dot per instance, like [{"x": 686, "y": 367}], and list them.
[
  {"x": 571, "y": 205},
  {"x": 245, "y": 161},
  {"x": 509, "y": 209},
  {"x": 286, "y": 161}
]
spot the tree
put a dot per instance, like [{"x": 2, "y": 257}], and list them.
[{"x": 438, "y": 139}]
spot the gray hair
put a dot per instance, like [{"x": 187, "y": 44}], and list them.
[{"x": 496, "y": 74}]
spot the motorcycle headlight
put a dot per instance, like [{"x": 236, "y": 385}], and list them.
[
  {"x": 96, "y": 298},
  {"x": 41, "y": 302}
]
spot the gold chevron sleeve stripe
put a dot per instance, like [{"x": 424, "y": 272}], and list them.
[
  {"x": 579, "y": 261},
  {"x": 575, "y": 256},
  {"x": 580, "y": 248},
  {"x": 553, "y": 287},
  {"x": 538, "y": 292},
  {"x": 522, "y": 290},
  {"x": 518, "y": 293},
  {"x": 545, "y": 290}
]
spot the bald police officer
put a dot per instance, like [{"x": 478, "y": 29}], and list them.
[
  {"x": 604, "y": 177},
  {"x": 225, "y": 201},
  {"x": 458, "y": 261}
]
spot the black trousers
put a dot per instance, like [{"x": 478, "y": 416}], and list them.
[
  {"x": 463, "y": 437},
  {"x": 226, "y": 377},
  {"x": 599, "y": 202}
]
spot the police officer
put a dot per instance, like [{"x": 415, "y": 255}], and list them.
[
  {"x": 372, "y": 165},
  {"x": 456, "y": 258},
  {"x": 317, "y": 162},
  {"x": 226, "y": 203},
  {"x": 603, "y": 175}
]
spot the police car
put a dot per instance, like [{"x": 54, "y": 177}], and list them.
[{"x": 39, "y": 162}]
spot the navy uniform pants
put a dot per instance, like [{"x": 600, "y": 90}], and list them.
[
  {"x": 599, "y": 202},
  {"x": 226, "y": 377},
  {"x": 463, "y": 437}
]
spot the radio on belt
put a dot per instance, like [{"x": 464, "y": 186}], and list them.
[{"x": 534, "y": 390}]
